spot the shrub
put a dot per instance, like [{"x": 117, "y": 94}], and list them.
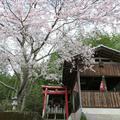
[{"x": 83, "y": 116}]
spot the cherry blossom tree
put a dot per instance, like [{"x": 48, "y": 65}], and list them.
[{"x": 31, "y": 30}]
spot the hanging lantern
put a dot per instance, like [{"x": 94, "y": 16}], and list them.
[{"x": 103, "y": 86}]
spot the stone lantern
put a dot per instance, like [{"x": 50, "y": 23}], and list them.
[{"x": 14, "y": 103}]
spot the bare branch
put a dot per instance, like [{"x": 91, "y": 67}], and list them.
[
  {"x": 12, "y": 88},
  {"x": 19, "y": 41},
  {"x": 2, "y": 24},
  {"x": 17, "y": 75}
]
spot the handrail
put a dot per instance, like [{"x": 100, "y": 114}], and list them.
[
  {"x": 97, "y": 91},
  {"x": 109, "y": 99}
]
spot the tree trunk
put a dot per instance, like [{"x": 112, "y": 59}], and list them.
[
  {"x": 24, "y": 88},
  {"x": 23, "y": 103}
]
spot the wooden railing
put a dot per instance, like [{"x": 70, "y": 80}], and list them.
[{"x": 96, "y": 99}]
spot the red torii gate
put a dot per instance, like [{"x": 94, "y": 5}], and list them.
[{"x": 55, "y": 90}]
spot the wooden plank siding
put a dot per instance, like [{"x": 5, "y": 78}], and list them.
[
  {"x": 96, "y": 99},
  {"x": 107, "y": 70}
]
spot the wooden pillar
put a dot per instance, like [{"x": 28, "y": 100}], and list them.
[
  {"x": 66, "y": 104},
  {"x": 79, "y": 88}
]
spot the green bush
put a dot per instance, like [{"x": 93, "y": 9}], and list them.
[
  {"x": 83, "y": 117},
  {"x": 5, "y": 105}
]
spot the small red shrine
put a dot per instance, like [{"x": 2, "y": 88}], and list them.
[{"x": 55, "y": 102}]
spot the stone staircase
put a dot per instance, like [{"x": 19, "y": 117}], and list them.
[
  {"x": 102, "y": 113},
  {"x": 102, "y": 117}
]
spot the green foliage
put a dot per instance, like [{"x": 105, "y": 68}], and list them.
[
  {"x": 53, "y": 66},
  {"x": 5, "y": 93},
  {"x": 112, "y": 41},
  {"x": 34, "y": 98},
  {"x": 5, "y": 105},
  {"x": 83, "y": 117}
]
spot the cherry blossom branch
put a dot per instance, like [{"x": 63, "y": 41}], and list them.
[
  {"x": 32, "y": 48},
  {"x": 43, "y": 57},
  {"x": 48, "y": 54},
  {"x": 64, "y": 24},
  {"x": 6, "y": 50},
  {"x": 12, "y": 11},
  {"x": 28, "y": 12},
  {"x": 47, "y": 36}
]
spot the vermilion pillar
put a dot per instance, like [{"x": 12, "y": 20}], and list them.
[{"x": 44, "y": 102}]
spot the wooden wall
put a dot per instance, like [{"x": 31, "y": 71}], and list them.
[{"x": 107, "y": 70}]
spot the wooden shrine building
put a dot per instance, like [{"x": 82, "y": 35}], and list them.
[
  {"x": 107, "y": 64},
  {"x": 84, "y": 89}
]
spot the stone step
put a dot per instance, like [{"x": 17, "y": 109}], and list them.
[
  {"x": 54, "y": 119},
  {"x": 102, "y": 117}
]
